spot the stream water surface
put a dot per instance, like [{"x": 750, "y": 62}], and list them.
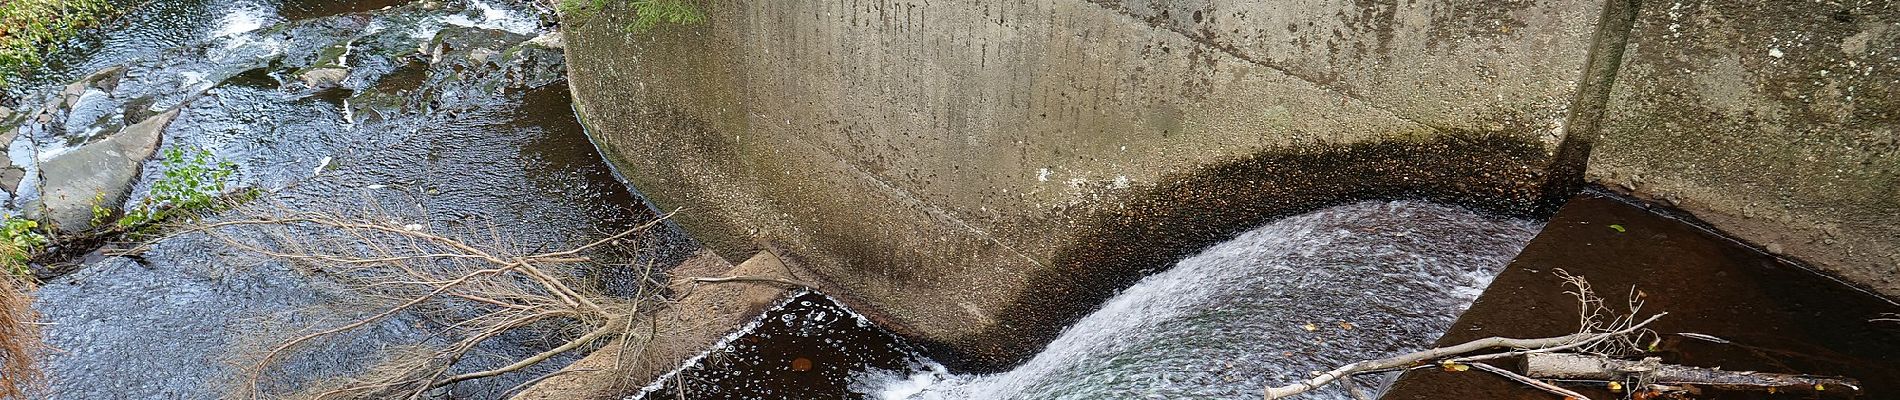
[{"x": 450, "y": 115}]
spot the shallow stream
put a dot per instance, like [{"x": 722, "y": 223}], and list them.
[{"x": 447, "y": 114}]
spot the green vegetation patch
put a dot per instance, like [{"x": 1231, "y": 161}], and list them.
[
  {"x": 648, "y": 13},
  {"x": 18, "y": 241},
  {"x": 31, "y": 29},
  {"x": 193, "y": 181}
]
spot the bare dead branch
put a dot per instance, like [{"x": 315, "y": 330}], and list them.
[
  {"x": 483, "y": 291},
  {"x": 1422, "y": 357},
  {"x": 1540, "y": 385},
  {"x": 1593, "y": 367},
  {"x": 749, "y": 278},
  {"x": 360, "y": 323},
  {"x": 536, "y": 359}
]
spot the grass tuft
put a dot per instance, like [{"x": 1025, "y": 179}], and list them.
[{"x": 32, "y": 29}]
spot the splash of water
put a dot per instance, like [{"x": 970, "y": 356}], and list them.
[
  {"x": 487, "y": 16},
  {"x": 1301, "y": 294},
  {"x": 242, "y": 20}
]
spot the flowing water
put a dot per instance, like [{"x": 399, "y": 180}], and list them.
[
  {"x": 446, "y": 114},
  {"x": 1305, "y": 293}
]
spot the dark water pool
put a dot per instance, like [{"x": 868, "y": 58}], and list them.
[{"x": 1777, "y": 316}]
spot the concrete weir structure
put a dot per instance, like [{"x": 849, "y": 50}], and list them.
[{"x": 977, "y": 174}]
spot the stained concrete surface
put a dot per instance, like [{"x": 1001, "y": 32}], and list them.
[
  {"x": 978, "y": 174},
  {"x": 1777, "y": 122},
  {"x": 954, "y": 166}
]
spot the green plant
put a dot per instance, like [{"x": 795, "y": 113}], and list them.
[
  {"x": 30, "y": 29},
  {"x": 192, "y": 181},
  {"x": 18, "y": 241},
  {"x": 99, "y": 212},
  {"x": 647, "y": 13}
]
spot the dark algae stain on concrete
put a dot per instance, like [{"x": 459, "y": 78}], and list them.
[
  {"x": 1777, "y": 316},
  {"x": 1174, "y": 220}
]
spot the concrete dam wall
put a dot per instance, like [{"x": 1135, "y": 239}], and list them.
[{"x": 978, "y": 174}]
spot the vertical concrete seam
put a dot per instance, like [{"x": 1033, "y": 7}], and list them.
[{"x": 1583, "y": 124}]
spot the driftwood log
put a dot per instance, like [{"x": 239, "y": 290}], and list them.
[{"x": 1652, "y": 370}]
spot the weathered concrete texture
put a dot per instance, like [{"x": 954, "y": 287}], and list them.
[
  {"x": 1776, "y": 121},
  {"x": 100, "y": 173},
  {"x": 1496, "y": 66},
  {"x": 977, "y": 174}
]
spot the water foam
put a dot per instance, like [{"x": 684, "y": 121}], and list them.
[{"x": 1296, "y": 295}]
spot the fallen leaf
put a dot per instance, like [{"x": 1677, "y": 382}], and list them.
[
  {"x": 1309, "y": 327},
  {"x": 1454, "y": 367},
  {"x": 1345, "y": 325},
  {"x": 1618, "y": 228},
  {"x": 801, "y": 364}
]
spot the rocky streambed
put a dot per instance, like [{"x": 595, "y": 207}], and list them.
[{"x": 445, "y": 115}]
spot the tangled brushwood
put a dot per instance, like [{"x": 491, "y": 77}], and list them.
[
  {"x": 476, "y": 291},
  {"x": 19, "y": 337}
]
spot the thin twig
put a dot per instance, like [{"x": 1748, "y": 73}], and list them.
[
  {"x": 359, "y": 323},
  {"x": 1540, "y": 385},
  {"x": 751, "y": 278},
  {"x": 536, "y": 359},
  {"x": 1592, "y": 339},
  {"x": 1532, "y": 345}
]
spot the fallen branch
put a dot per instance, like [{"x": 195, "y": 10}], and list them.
[
  {"x": 748, "y": 278},
  {"x": 1540, "y": 385},
  {"x": 1593, "y": 367},
  {"x": 1526, "y": 346}
]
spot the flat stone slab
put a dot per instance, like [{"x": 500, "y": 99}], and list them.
[{"x": 99, "y": 173}]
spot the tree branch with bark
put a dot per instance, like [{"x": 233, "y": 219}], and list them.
[{"x": 1594, "y": 353}]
